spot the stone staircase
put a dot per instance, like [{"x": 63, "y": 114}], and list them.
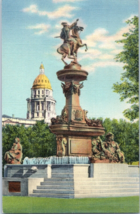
[
  {"x": 69, "y": 182},
  {"x": 61, "y": 183},
  {"x": 87, "y": 187},
  {"x": 55, "y": 188}
]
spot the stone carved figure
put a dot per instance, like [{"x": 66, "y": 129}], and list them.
[
  {"x": 14, "y": 156},
  {"x": 71, "y": 88},
  {"x": 112, "y": 149},
  {"x": 58, "y": 120},
  {"x": 107, "y": 151},
  {"x": 65, "y": 88},
  {"x": 97, "y": 149},
  {"x": 78, "y": 114},
  {"x": 58, "y": 141},
  {"x": 72, "y": 42},
  {"x": 65, "y": 114},
  {"x": 63, "y": 143},
  {"x": 80, "y": 86},
  {"x": 97, "y": 123},
  {"x": 61, "y": 146}
]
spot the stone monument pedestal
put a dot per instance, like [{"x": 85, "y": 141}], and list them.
[{"x": 71, "y": 124}]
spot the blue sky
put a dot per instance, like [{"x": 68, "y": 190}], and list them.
[{"x": 28, "y": 31}]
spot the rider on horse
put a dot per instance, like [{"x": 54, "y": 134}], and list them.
[
  {"x": 71, "y": 43},
  {"x": 65, "y": 35}
]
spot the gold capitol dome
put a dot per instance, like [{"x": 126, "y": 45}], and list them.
[{"x": 41, "y": 81}]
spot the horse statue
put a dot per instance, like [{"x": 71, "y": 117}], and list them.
[{"x": 68, "y": 48}]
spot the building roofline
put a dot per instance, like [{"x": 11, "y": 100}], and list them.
[{"x": 6, "y": 116}]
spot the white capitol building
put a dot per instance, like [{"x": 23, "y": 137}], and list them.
[{"x": 41, "y": 104}]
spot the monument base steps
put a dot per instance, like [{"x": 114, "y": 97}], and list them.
[
  {"x": 80, "y": 181},
  {"x": 84, "y": 188},
  {"x": 120, "y": 180}
]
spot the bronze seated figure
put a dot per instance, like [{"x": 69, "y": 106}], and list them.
[
  {"x": 106, "y": 152},
  {"x": 14, "y": 155}
]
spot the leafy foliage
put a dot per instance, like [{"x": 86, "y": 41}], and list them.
[
  {"x": 36, "y": 141},
  {"x": 129, "y": 86}
]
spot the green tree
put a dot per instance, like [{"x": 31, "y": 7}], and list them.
[{"x": 129, "y": 86}]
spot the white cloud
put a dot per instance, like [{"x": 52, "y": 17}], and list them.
[
  {"x": 91, "y": 67},
  {"x": 98, "y": 34},
  {"x": 116, "y": 51},
  {"x": 88, "y": 68},
  {"x": 42, "y": 28},
  {"x": 100, "y": 37},
  {"x": 107, "y": 45},
  {"x": 64, "y": 11},
  {"x": 106, "y": 56},
  {"x": 32, "y": 9},
  {"x": 106, "y": 63},
  {"x": 90, "y": 51},
  {"x": 95, "y": 54},
  {"x": 90, "y": 54}
]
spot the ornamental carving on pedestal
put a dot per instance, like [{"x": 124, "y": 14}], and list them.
[
  {"x": 64, "y": 114},
  {"x": 71, "y": 88},
  {"x": 61, "y": 145},
  {"x": 78, "y": 115},
  {"x": 58, "y": 120},
  {"x": 96, "y": 123}
]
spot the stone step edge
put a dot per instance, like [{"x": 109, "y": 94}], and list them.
[
  {"x": 89, "y": 181},
  {"x": 87, "y": 189},
  {"x": 95, "y": 194},
  {"x": 43, "y": 186},
  {"x": 88, "y": 177},
  {"x": 67, "y": 194},
  {"x": 88, "y": 185}
]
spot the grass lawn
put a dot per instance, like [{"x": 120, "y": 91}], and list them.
[{"x": 15, "y": 204}]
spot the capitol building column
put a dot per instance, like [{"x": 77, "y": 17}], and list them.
[
  {"x": 29, "y": 107},
  {"x": 40, "y": 109},
  {"x": 35, "y": 112}
]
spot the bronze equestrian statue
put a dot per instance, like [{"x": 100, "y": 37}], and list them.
[{"x": 72, "y": 42}]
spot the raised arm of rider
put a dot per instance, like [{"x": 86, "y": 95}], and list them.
[{"x": 72, "y": 25}]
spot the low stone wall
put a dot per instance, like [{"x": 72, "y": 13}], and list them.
[
  {"x": 113, "y": 170},
  {"x": 26, "y": 171}
]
